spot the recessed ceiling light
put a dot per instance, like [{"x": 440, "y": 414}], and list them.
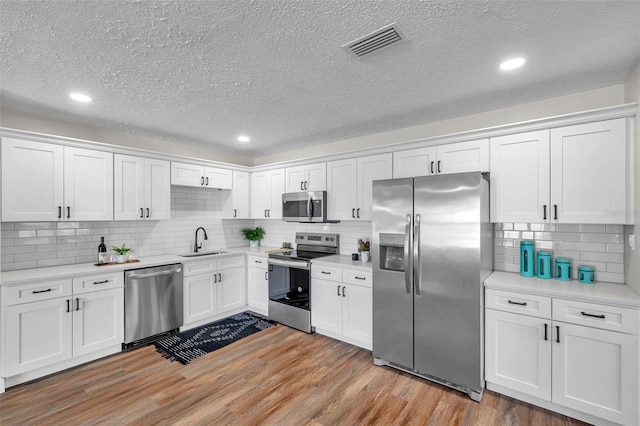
[
  {"x": 80, "y": 97},
  {"x": 243, "y": 138},
  {"x": 511, "y": 64}
]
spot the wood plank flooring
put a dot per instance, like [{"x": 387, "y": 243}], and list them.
[{"x": 277, "y": 376}]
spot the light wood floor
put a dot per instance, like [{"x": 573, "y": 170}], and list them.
[{"x": 277, "y": 376}]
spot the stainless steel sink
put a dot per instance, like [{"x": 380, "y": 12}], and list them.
[{"x": 203, "y": 253}]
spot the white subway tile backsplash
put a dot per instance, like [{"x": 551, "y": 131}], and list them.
[{"x": 602, "y": 238}]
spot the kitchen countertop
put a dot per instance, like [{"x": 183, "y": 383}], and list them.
[
  {"x": 69, "y": 271},
  {"x": 600, "y": 292},
  {"x": 343, "y": 261}
]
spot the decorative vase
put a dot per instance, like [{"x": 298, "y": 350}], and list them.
[
  {"x": 121, "y": 258},
  {"x": 255, "y": 243}
]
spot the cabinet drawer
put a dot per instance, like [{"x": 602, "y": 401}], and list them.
[
  {"x": 230, "y": 262},
  {"x": 521, "y": 303},
  {"x": 623, "y": 320},
  {"x": 200, "y": 267},
  {"x": 326, "y": 273},
  {"x": 257, "y": 262},
  {"x": 97, "y": 282},
  {"x": 361, "y": 278},
  {"x": 25, "y": 293}
]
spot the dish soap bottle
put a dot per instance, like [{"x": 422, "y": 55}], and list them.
[{"x": 102, "y": 252}]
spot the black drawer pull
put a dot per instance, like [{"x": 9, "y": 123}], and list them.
[
  {"x": 511, "y": 302},
  {"x": 258, "y": 261},
  {"x": 545, "y": 332},
  {"x": 41, "y": 291},
  {"x": 325, "y": 272},
  {"x": 592, "y": 315},
  {"x": 360, "y": 278},
  {"x": 101, "y": 282}
]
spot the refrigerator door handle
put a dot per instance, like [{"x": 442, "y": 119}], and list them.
[
  {"x": 408, "y": 265},
  {"x": 416, "y": 256}
]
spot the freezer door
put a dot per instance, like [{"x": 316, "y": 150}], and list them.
[
  {"x": 392, "y": 271},
  {"x": 448, "y": 287}
]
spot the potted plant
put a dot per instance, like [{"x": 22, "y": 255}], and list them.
[
  {"x": 254, "y": 235},
  {"x": 122, "y": 253}
]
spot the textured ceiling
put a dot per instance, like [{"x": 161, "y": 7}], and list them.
[{"x": 204, "y": 72}]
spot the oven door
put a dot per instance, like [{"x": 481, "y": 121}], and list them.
[
  {"x": 289, "y": 293},
  {"x": 304, "y": 207}
]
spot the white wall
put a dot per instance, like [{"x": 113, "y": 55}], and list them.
[{"x": 632, "y": 258}]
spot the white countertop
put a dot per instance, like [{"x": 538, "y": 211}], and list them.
[
  {"x": 68, "y": 271},
  {"x": 600, "y": 292},
  {"x": 343, "y": 261}
]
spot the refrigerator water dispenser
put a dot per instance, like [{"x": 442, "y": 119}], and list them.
[{"x": 392, "y": 252}]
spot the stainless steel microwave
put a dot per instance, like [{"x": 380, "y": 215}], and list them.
[{"x": 305, "y": 207}]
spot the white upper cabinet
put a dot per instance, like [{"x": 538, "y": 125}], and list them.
[
  {"x": 349, "y": 185},
  {"x": 235, "y": 203},
  {"x": 311, "y": 177},
  {"x": 266, "y": 194},
  {"x": 51, "y": 182},
  {"x": 574, "y": 174},
  {"x": 142, "y": 188},
  {"x": 200, "y": 176},
  {"x": 452, "y": 158}
]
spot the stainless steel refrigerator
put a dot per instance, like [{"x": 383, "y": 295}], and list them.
[{"x": 432, "y": 250}]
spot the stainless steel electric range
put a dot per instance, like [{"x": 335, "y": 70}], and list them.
[{"x": 290, "y": 278}]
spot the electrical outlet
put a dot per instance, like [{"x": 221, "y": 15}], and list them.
[{"x": 557, "y": 247}]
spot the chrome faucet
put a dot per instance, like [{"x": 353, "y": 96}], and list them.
[{"x": 197, "y": 246}]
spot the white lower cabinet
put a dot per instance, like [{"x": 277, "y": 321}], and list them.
[
  {"x": 340, "y": 307},
  {"x": 578, "y": 363},
  {"x": 258, "y": 285},
  {"x": 98, "y": 321},
  {"x": 219, "y": 290}
]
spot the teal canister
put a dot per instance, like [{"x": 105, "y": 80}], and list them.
[
  {"x": 526, "y": 258},
  {"x": 563, "y": 269},
  {"x": 544, "y": 265},
  {"x": 586, "y": 274}
]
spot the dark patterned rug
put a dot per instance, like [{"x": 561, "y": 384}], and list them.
[{"x": 186, "y": 346}]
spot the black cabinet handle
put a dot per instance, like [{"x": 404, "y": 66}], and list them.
[
  {"x": 201, "y": 180},
  {"x": 265, "y": 212},
  {"x": 268, "y": 212},
  {"x": 68, "y": 212},
  {"x": 343, "y": 295},
  {"x": 215, "y": 278},
  {"x": 100, "y": 282},
  {"x": 439, "y": 166},
  {"x": 266, "y": 275},
  {"x": 41, "y": 291},
  {"x": 235, "y": 212},
  {"x": 68, "y": 306},
  {"x": 544, "y": 211},
  {"x": 148, "y": 212},
  {"x": 301, "y": 186},
  {"x": 325, "y": 272},
  {"x": 359, "y": 278},
  {"x": 358, "y": 213},
  {"x": 545, "y": 332},
  {"x": 338, "y": 290},
  {"x": 258, "y": 261},
  {"x": 353, "y": 213},
  {"x": 141, "y": 212},
  {"x": 219, "y": 277},
  {"x": 207, "y": 180},
  {"x": 557, "y": 334},
  {"x": 592, "y": 315},
  {"x": 555, "y": 211},
  {"x": 306, "y": 186},
  {"x": 511, "y": 302},
  {"x": 77, "y": 303},
  {"x": 432, "y": 167},
  {"x": 59, "y": 212}
]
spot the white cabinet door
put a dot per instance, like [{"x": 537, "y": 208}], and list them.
[
  {"x": 463, "y": 157},
  {"x": 276, "y": 188},
  {"x": 187, "y": 174},
  {"x": 37, "y": 334},
  {"x": 341, "y": 189},
  {"x": 88, "y": 184},
  {"x": 200, "y": 297},
  {"x": 596, "y": 372},
  {"x": 517, "y": 356},
  {"x": 294, "y": 179},
  {"x": 258, "y": 290},
  {"x": 357, "y": 313},
  {"x": 260, "y": 195},
  {"x": 589, "y": 176},
  {"x": 370, "y": 168},
  {"x": 129, "y": 194},
  {"x": 36, "y": 173},
  {"x": 157, "y": 185},
  {"x": 231, "y": 289},
  {"x": 315, "y": 177},
  {"x": 98, "y": 321},
  {"x": 414, "y": 162},
  {"x": 326, "y": 305},
  {"x": 235, "y": 203},
  {"x": 520, "y": 178},
  {"x": 218, "y": 178}
]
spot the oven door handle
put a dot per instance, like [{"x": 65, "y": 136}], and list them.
[{"x": 290, "y": 264}]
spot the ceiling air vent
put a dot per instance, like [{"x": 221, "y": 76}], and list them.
[{"x": 376, "y": 40}]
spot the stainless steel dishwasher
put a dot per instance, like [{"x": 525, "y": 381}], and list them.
[{"x": 152, "y": 303}]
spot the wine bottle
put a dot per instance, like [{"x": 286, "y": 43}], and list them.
[{"x": 102, "y": 252}]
